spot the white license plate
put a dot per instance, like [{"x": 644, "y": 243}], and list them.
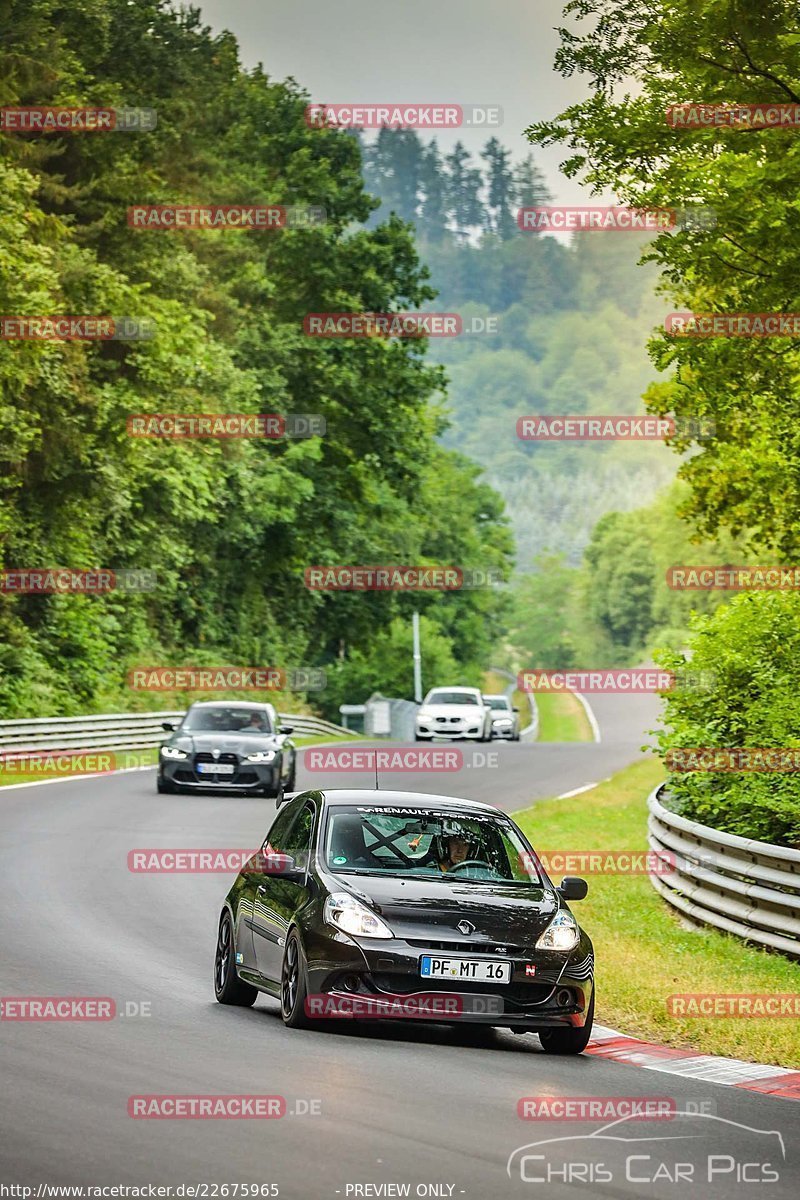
[
  {"x": 470, "y": 970},
  {"x": 216, "y": 769}
]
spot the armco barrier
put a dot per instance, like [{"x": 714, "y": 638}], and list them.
[
  {"x": 117, "y": 731},
  {"x": 735, "y": 884}
]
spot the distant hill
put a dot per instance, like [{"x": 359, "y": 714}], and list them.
[{"x": 572, "y": 321}]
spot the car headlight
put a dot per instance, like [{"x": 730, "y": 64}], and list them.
[
  {"x": 423, "y": 716},
  {"x": 173, "y": 752},
  {"x": 561, "y": 934},
  {"x": 261, "y": 756},
  {"x": 344, "y": 912}
]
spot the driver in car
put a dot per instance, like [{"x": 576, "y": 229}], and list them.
[{"x": 457, "y": 851}]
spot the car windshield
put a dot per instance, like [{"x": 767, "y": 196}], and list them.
[
  {"x": 221, "y": 719},
  {"x": 428, "y": 844},
  {"x": 451, "y": 698},
  {"x": 497, "y": 702}
]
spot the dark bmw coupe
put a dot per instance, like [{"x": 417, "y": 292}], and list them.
[
  {"x": 370, "y": 905},
  {"x": 234, "y": 746}
]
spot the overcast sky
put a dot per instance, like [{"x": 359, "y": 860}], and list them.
[{"x": 417, "y": 51}]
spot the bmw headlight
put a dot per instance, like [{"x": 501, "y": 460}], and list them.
[
  {"x": 261, "y": 756},
  {"x": 344, "y": 912},
  {"x": 561, "y": 934},
  {"x": 423, "y": 716},
  {"x": 173, "y": 752}
]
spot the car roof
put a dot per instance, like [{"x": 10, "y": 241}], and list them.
[
  {"x": 495, "y": 696},
  {"x": 245, "y": 704},
  {"x": 456, "y": 687},
  {"x": 378, "y": 799}
]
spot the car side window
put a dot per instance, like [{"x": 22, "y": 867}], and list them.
[
  {"x": 276, "y": 839},
  {"x": 299, "y": 838}
]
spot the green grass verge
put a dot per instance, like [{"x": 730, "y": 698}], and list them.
[
  {"x": 562, "y": 718},
  {"x": 643, "y": 952}
]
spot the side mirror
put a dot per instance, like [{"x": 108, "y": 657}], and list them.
[
  {"x": 286, "y": 729},
  {"x": 167, "y": 725},
  {"x": 573, "y": 888},
  {"x": 278, "y": 866},
  {"x": 515, "y": 710}
]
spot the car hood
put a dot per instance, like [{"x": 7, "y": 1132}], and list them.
[
  {"x": 431, "y": 909},
  {"x": 453, "y": 710},
  {"x": 226, "y": 743}
]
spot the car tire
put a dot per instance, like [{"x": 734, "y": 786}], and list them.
[
  {"x": 568, "y": 1041},
  {"x": 228, "y": 987},
  {"x": 294, "y": 985},
  {"x": 291, "y": 782},
  {"x": 164, "y": 786}
]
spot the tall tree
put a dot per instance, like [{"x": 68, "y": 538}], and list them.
[
  {"x": 500, "y": 192},
  {"x": 463, "y": 192},
  {"x": 746, "y": 176}
]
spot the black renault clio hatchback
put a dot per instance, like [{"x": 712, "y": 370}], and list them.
[{"x": 371, "y": 905}]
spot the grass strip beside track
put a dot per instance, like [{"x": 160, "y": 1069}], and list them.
[
  {"x": 643, "y": 952},
  {"x": 562, "y": 718}
]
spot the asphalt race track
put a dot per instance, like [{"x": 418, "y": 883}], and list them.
[{"x": 367, "y": 1107}]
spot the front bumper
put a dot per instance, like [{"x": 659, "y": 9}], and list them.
[
  {"x": 375, "y": 980},
  {"x": 435, "y": 732},
  {"x": 246, "y": 777},
  {"x": 504, "y": 731}
]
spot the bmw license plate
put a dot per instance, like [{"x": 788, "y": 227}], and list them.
[
  {"x": 215, "y": 769},
  {"x": 471, "y": 970}
]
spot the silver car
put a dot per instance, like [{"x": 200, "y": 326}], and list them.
[{"x": 505, "y": 718}]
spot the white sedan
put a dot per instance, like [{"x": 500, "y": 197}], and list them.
[{"x": 454, "y": 712}]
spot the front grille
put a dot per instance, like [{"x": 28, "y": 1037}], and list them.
[
  {"x": 469, "y": 947},
  {"x": 518, "y": 993},
  {"x": 205, "y": 757}
]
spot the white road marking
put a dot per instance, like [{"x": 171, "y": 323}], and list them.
[{"x": 587, "y": 787}]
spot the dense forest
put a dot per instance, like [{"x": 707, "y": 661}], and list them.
[{"x": 227, "y": 526}]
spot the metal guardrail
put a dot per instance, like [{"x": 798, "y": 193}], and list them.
[
  {"x": 735, "y": 884},
  {"x": 116, "y": 731}
]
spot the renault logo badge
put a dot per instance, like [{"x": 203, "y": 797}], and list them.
[
  {"x": 215, "y": 753},
  {"x": 465, "y": 927}
]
